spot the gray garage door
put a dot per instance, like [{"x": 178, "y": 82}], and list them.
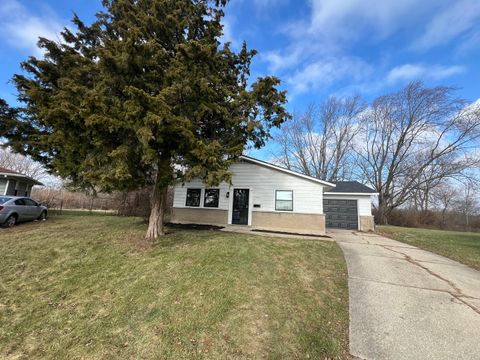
[{"x": 341, "y": 214}]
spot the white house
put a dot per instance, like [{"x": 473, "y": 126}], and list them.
[
  {"x": 268, "y": 197},
  {"x": 16, "y": 184}
]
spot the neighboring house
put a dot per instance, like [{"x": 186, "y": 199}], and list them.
[
  {"x": 16, "y": 184},
  {"x": 268, "y": 197}
]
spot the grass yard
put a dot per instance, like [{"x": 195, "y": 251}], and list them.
[
  {"x": 88, "y": 286},
  {"x": 461, "y": 246}
]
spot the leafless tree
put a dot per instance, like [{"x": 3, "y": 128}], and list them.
[
  {"x": 414, "y": 138},
  {"x": 467, "y": 203},
  {"x": 22, "y": 164},
  {"x": 319, "y": 142}
]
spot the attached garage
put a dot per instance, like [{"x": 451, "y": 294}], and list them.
[{"x": 349, "y": 206}]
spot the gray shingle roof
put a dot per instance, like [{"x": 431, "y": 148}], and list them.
[{"x": 351, "y": 187}]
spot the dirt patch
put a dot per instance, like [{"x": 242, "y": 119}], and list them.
[
  {"x": 291, "y": 233},
  {"x": 193, "y": 226}
]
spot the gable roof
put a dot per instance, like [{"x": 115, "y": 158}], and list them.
[
  {"x": 279, "y": 168},
  {"x": 15, "y": 175},
  {"x": 7, "y": 171},
  {"x": 351, "y": 187}
]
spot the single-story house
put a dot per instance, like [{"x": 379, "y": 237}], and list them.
[
  {"x": 15, "y": 184},
  {"x": 268, "y": 197}
]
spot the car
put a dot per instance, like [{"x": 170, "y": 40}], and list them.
[{"x": 15, "y": 209}]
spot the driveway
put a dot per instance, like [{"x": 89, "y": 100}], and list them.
[{"x": 407, "y": 303}]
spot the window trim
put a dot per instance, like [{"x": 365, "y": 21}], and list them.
[
  {"x": 218, "y": 198},
  {"x": 275, "y": 199},
  {"x": 199, "y": 202}
]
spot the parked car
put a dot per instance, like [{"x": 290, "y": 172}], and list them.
[{"x": 15, "y": 209}]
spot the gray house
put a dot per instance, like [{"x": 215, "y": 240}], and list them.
[{"x": 16, "y": 184}]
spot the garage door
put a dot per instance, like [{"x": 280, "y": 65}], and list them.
[{"x": 341, "y": 214}]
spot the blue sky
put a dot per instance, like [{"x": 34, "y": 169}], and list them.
[{"x": 318, "y": 48}]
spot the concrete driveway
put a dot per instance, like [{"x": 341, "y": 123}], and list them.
[{"x": 407, "y": 303}]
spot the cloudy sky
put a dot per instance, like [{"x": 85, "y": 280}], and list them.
[{"x": 317, "y": 48}]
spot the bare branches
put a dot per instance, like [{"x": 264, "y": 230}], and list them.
[
  {"x": 22, "y": 164},
  {"x": 405, "y": 144},
  {"x": 319, "y": 142},
  {"x": 413, "y": 139}
]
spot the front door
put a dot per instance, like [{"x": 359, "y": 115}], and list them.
[{"x": 240, "y": 206}]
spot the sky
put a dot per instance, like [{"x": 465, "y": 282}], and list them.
[{"x": 318, "y": 48}]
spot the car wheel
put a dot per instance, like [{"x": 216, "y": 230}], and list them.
[
  {"x": 11, "y": 221},
  {"x": 43, "y": 216}
]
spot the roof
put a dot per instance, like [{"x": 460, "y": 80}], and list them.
[
  {"x": 7, "y": 172},
  {"x": 279, "y": 168},
  {"x": 351, "y": 187}
]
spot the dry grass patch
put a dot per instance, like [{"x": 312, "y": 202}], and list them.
[{"x": 87, "y": 287}]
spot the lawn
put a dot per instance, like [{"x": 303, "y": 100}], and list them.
[
  {"x": 89, "y": 286},
  {"x": 461, "y": 246}
]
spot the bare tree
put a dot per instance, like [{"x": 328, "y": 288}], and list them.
[
  {"x": 412, "y": 139},
  {"x": 319, "y": 142},
  {"x": 22, "y": 164},
  {"x": 444, "y": 196},
  {"x": 467, "y": 203}
]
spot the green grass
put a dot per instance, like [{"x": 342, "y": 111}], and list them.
[
  {"x": 461, "y": 246},
  {"x": 90, "y": 287}
]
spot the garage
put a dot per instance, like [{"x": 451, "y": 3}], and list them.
[
  {"x": 349, "y": 206},
  {"x": 341, "y": 213}
]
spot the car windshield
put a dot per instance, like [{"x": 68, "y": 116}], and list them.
[{"x": 4, "y": 199}]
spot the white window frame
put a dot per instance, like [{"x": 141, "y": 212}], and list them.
[{"x": 275, "y": 200}]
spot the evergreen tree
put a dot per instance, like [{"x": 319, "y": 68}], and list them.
[{"x": 143, "y": 92}]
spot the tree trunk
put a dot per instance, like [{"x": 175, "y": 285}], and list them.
[
  {"x": 383, "y": 211},
  {"x": 157, "y": 213}
]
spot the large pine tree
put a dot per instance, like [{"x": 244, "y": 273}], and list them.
[{"x": 145, "y": 95}]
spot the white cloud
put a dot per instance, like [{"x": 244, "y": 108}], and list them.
[
  {"x": 453, "y": 21},
  {"x": 21, "y": 29},
  {"x": 327, "y": 71},
  {"x": 227, "y": 36},
  {"x": 349, "y": 19},
  {"x": 409, "y": 72}
]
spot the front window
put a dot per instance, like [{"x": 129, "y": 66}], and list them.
[
  {"x": 211, "y": 198},
  {"x": 193, "y": 197},
  {"x": 284, "y": 200}
]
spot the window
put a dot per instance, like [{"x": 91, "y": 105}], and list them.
[
  {"x": 211, "y": 198},
  {"x": 30, "y": 202},
  {"x": 20, "y": 202},
  {"x": 284, "y": 200},
  {"x": 4, "y": 199},
  {"x": 193, "y": 197}
]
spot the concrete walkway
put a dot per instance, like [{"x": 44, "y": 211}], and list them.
[{"x": 407, "y": 303}]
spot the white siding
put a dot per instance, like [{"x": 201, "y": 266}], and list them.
[
  {"x": 262, "y": 182},
  {"x": 3, "y": 186},
  {"x": 364, "y": 202}
]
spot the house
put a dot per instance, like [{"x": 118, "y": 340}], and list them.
[
  {"x": 16, "y": 184},
  {"x": 268, "y": 197}
]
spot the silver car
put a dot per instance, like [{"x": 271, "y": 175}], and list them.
[{"x": 14, "y": 209}]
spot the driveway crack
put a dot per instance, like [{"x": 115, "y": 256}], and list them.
[{"x": 458, "y": 294}]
